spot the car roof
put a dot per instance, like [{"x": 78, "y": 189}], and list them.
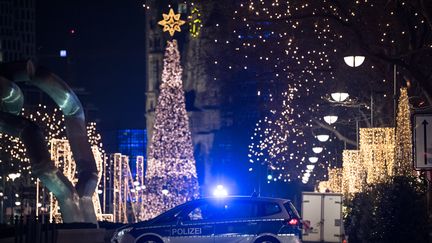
[{"x": 230, "y": 198}]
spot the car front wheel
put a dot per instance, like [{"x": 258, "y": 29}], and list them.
[
  {"x": 267, "y": 239},
  {"x": 150, "y": 239}
]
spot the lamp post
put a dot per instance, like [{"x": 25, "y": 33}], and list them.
[{"x": 1, "y": 207}]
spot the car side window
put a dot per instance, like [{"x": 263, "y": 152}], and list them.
[
  {"x": 169, "y": 216},
  {"x": 269, "y": 208},
  {"x": 195, "y": 214},
  {"x": 238, "y": 210},
  {"x": 199, "y": 212}
]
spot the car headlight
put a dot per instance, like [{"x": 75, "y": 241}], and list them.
[{"x": 121, "y": 232}]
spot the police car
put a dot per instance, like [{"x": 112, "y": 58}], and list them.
[{"x": 217, "y": 220}]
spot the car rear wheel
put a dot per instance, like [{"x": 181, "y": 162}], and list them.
[
  {"x": 267, "y": 239},
  {"x": 150, "y": 239}
]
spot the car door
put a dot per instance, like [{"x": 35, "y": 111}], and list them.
[
  {"x": 237, "y": 222},
  {"x": 195, "y": 224}
]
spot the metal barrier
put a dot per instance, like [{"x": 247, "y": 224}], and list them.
[{"x": 31, "y": 229}]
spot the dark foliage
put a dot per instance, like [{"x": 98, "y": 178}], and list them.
[{"x": 395, "y": 211}]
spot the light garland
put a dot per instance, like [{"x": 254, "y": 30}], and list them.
[
  {"x": 404, "y": 146},
  {"x": 139, "y": 187},
  {"x": 377, "y": 151},
  {"x": 195, "y": 22},
  {"x": 121, "y": 187},
  {"x": 62, "y": 156}
]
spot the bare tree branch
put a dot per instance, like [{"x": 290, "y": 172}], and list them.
[
  {"x": 426, "y": 13},
  {"x": 336, "y": 133}
]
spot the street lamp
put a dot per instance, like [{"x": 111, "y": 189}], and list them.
[
  {"x": 13, "y": 176},
  {"x": 310, "y": 167},
  {"x": 313, "y": 159},
  {"x": 354, "y": 61},
  {"x": 330, "y": 119},
  {"x": 317, "y": 150},
  {"x": 339, "y": 96},
  {"x": 322, "y": 137},
  {"x": 165, "y": 190}
]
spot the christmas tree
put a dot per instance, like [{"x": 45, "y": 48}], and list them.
[
  {"x": 171, "y": 177},
  {"x": 403, "y": 153}
]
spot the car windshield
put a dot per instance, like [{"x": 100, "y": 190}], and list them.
[{"x": 168, "y": 216}]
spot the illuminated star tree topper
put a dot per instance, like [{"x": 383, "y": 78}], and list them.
[{"x": 171, "y": 22}]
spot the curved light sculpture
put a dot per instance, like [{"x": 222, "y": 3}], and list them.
[
  {"x": 354, "y": 61},
  {"x": 317, "y": 150},
  {"x": 313, "y": 160},
  {"x": 330, "y": 119},
  {"x": 339, "y": 96},
  {"x": 323, "y": 137}
]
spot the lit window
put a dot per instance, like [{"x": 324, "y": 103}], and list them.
[{"x": 63, "y": 53}]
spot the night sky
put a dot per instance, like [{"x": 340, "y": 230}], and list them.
[{"x": 106, "y": 51}]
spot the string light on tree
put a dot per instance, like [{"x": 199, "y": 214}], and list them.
[
  {"x": 302, "y": 44},
  {"x": 334, "y": 183},
  {"x": 275, "y": 140}
]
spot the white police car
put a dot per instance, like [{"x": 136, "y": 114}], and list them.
[{"x": 217, "y": 220}]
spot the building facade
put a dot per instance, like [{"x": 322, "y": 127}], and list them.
[
  {"x": 133, "y": 143},
  {"x": 17, "y": 30}
]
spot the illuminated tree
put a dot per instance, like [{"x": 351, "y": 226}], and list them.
[
  {"x": 171, "y": 177},
  {"x": 279, "y": 142},
  {"x": 301, "y": 44},
  {"x": 403, "y": 159}
]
